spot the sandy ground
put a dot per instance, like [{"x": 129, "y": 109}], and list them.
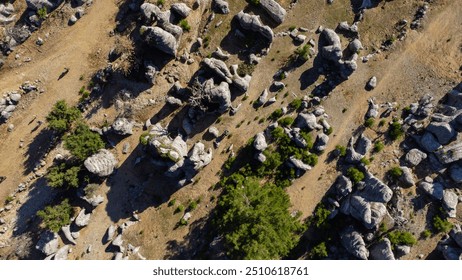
[{"x": 426, "y": 62}]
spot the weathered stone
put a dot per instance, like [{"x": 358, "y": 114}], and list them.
[
  {"x": 450, "y": 154},
  {"x": 355, "y": 46},
  {"x": 450, "y": 200},
  {"x": 429, "y": 143},
  {"x": 354, "y": 243},
  {"x": 62, "y": 253},
  {"x": 221, "y": 6},
  {"x": 407, "y": 178},
  {"x": 48, "y": 243},
  {"x": 382, "y": 250},
  {"x": 260, "y": 142},
  {"x": 299, "y": 164},
  {"x": 82, "y": 219},
  {"x": 253, "y": 23},
  {"x": 414, "y": 157},
  {"x": 199, "y": 156},
  {"x": 343, "y": 186},
  {"x": 67, "y": 233},
  {"x": 101, "y": 163},
  {"x": 173, "y": 101},
  {"x": 375, "y": 190},
  {"x": 110, "y": 233},
  {"x": 160, "y": 39},
  {"x": 307, "y": 120},
  {"x": 219, "y": 68},
  {"x": 275, "y": 11},
  {"x": 48, "y": 4},
  {"x": 321, "y": 142},
  {"x": 402, "y": 250},
  {"x": 434, "y": 189},
  {"x": 214, "y": 131},
  {"x": 373, "y": 110},
  {"x": 363, "y": 144},
  {"x": 181, "y": 9},
  {"x": 455, "y": 171},
  {"x": 372, "y": 83},
  {"x": 442, "y": 131},
  {"x": 262, "y": 98},
  {"x": 122, "y": 126}
]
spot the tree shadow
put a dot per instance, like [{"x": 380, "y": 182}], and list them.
[{"x": 36, "y": 150}]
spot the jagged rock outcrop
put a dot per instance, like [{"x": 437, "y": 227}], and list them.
[
  {"x": 181, "y": 9},
  {"x": 321, "y": 142},
  {"x": 450, "y": 154},
  {"x": 102, "y": 163},
  {"x": 354, "y": 243},
  {"x": 434, "y": 189},
  {"x": 429, "y": 143},
  {"x": 355, "y": 46},
  {"x": 407, "y": 178},
  {"x": 164, "y": 147},
  {"x": 373, "y": 110},
  {"x": 48, "y": 243},
  {"x": 382, "y": 250},
  {"x": 221, "y": 6},
  {"x": 363, "y": 145},
  {"x": 375, "y": 190},
  {"x": 62, "y": 253},
  {"x": 199, "y": 156},
  {"x": 253, "y": 23},
  {"x": 110, "y": 233},
  {"x": 343, "y": 186},
  {"x": 158, "y": 38},
  {"x": 307, "y": 120},
  {"x": 220, "y": 54},
  {"x": 218, "y": 94},
  {"x": 219, "y": 68},
  {"x": 37, "y": 4},
  {"x": 450, "y": 200},
  {"x": 274, "y": 10},
  {"x": 7, "y": 15},
  {"x": 298, "y": 164},
  {"x": 451, "y": 246},
  {"x": 442, "y": 131},
  {"x": 122, "y": 126},
  {"x": 95, "y": 200},
  {"x": 67, "y": 233}
]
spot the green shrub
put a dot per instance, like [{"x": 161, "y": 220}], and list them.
[
  {"x": 42, "y": 13},
  {"x": 441, "y": 224},
  {"x": 245, "y": 69},
  {"x": 310, "y": 159},
  {"x": 276, "y": 114},
  {"x": 183, "y": 222},
  {"x": 144, "y": 138},
  {"x": 395, "y": 131},
  {"x": 171, "y": 202},
  {"x": 185, "y": 25},
  {"x": 365, "y": 161},
  {"x": 254, "y": 2},
  {"x": 206, "y": 41},
  {"x": 395, "y": 173},
  {"x": 55, "y": 217},
  {"x": 82, "y": 143},
  {"x": 302, "y": 53},
  {"x": 63, "y": 176},
  {"x": 192, "y": 205},
  {"x": 382, "y": 122},
  {"x": 318, "y": 252},
  {"x": 369, "y": 122},
  {"x": 179, "y": 209},
  {"x": 9, "y": 199},
  {"x": 91, "y": 189},
  {"x": 426, "y": 234},
  {"x": 296, "y": 104},
  {"x": 287, "y": 121},
  {"x": 341, "y": 150},
  {"x": 329, "y": 130},
  {"x": 160, "y": 2},
  {"x": 292, "y": 28},
  {"x": 319, "y": 218},
  {"x": 383, "y": 228},
  {"x": 401, "y": 238},
  {"x": 355, "y": 175},
  {"x": 61, "y": 117},
  {"x": 378, "y": 146}
]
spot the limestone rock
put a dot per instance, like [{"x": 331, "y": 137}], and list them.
[
  {"x": 82, "y": 219},
  {"x": 450, "y": 200},
  {"x": 414, "y": 157},
  {"x": 372, "y": 83},
  {"x": 67, "y": 233},
  {"x": 275, "y": 11},
  {"x": 321, "y": 142},
  {"x": 62, "y": 253},
  {"x": 260, "y": 142},
  {"x": 37, "y": 4},
  {"x": 219, "y": 68},
  {"x": 299, "y": 164},
  {"x": 363, "y": 144},
  {"x": 375, "y": 190},
  {"x": 307, "y": 120},
  {"x": 181, "y": 9},
  {"x": 160, "y": 39},
  {"x": 221, "y": 6},
  {"x": 355, "y": 46},
  {"x": 122, "y": 126},
  {"x": 434, "y": 189},
  {"x": 218, "y": 94},
  {"x": 455, "y": 172},
  {"x": 450, "y": 154},
  {"x": 429, "y": 143},
  {"x": 382, "y": 250},
  {"x": 253, "y": 23},
  {"x": 442, "y": 131},
  {"x": 110, "y": 233},
  {"x": 101, "y": 163},
  {"x": 48, "y": 243},
  {"x": 343, "y": 186},
  {"x": 407, "y": 178},
  {"x": 354, "y": 243},
  {"x": 199, "y": 156},
  {"x": 220, "y": 54},
  {"x": 214, "y": 131}
]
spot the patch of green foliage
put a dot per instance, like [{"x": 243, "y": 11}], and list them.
[
  {"x": 160, "y": 2},
  {"x": 426, "y": 234},
  {"x": 395, "y": 131},
  {"x": 83, "y": 142},
  {"x": 382, "y": 122},
  {"x": 144, "y": 138},
  {"x": 365, "y": 161},
  {"x": 398, "y": 237},
  {"x": 63, "y": 176},
  {"x": 355, "y": 174},
  {"x": 192, "y": 205},
  {"x": 245, "y": 69},
  {"x": 55, "y": 217},
  {"x": 296, "y": 104},
  {"x": 319, "y": 252},
  {"x": 287, "y": 121},
  {"x": 255, "y": 220},
  {"x": 184, "y": 24},
  {"x": 369, "y": 122},
  {"x": 441, "y": 224},
  {"x": 171, "y": 202},
  {"x": 42, "y": 13},
  {"x": 206, "y": 41},
  {"x": 91, "y": 189},
  {"x": 329, "y": 130},
  {"x": 341, "y": 150},
  {"x": 378, "y": 146},
  {"x": 179, "y": 209},
  {"x": 302, "y": 53},
  {"x": 62, "y": 116},
  {"x": 276, "y": 114},
  {"x": 395, "y": 173}
]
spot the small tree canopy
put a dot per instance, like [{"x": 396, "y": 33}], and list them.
[
  {"x": 63, "y": 176},
  {"x": 82, "y": 143},
  {"x": 55, "y": 217},
  {"x": 62, "y": 116}
]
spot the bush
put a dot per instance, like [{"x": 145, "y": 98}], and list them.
[
  {"x": 365, "y": 161},
  {"x": 245, "y": 69},
  {"x": 276, "y": 114},
  {"x": 42, "y": 13},
  {"x": 378, "y": 146},
  {"x": 401, "y": 238},
  {"x": 63, "y": 176},
  {"x": 61, "y": 117},
  {"x": 441, "y": 224},
  {"x": 319, "y": 219},
  {"x": 426, "y": 234},
  {"x": 310, "y": 159},
  {"x": 319, "y": 252},
  {"x": 185, "y": 25},
  {"x": 341, "y": 150},
  {"x": 329, "y": 130},
  {"x": 382, "y": 122},
  {"x": 395, "y": 173},
  {"x": 192, "y": 205},
  {"x": 395, "y": 131},
  {"x": 369, "y": 122},
  {"x": 296, "y": 104},
  {"x": 144, "y": 138},
  {"x": 179, "y": 209},
  {"x": 287, "y": 121},
  {"x": 254, "y": 2},
  {"x": 183, "y": 222},
  {"x": 82, "y": 143},
  {"x": 355, "y": 175},
  {"x": 302, "y": 53},
  {"x": 91, "y": 189},
  {"x": 55, "y": 217},
  {"x": 160, "y": 2},
  {"x": 171, "y": 202},
  {"x": 206, "y": 41}
]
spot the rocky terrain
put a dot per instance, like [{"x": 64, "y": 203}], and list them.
[{"x": 224, "y": 129}]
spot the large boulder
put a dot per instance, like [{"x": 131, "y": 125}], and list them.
[
  {"x": 253, "y": 23},
  {"x": 382, "y": 250},
  {"x": 343, "y": 186},
  {"x": 62, "y": 253},
  {"x": 7, "y": 15},
  {"x": 219, "y": 68},
  {"x": 102, "y": 163},
  {"x": 67, "y": 233},
  {"x": 275, "y": 11},
  {"x": 221, "y": 6},
  {"x": 82, "y": 219},
  {"x": 298, "y": 164},
  {"x": 450, "y": 200},
  {"x": 407, "y": 178},
  {"x": 199, "y": 156},
  {"x": 354, "y": 243},
  {"x": 455, "y": 172},
  {"x": 260, "y": 142},
  {"x": 456, "y": 234},
  {"x": 331, "y": 48},
  {"x": 48, "y": 243},
  {"x": 450, "y": 154},
  {"x": 433, "y": 189},
  {"x": 375, "y": 190},
  {"x": 38, "y": 4},
  {"x": 122, "y": 126},
  {"x": 363, "y": 144},
  {"x": 218, "y": 94},
  {"x": 307, "y": 120},
  {"x": 181, "y": 9},
  {"x": 429, "y": 143},
  {"x": 414, "y": 157},
  {"x": 444, "y": 132},
  {"x": 321, "y": 142},
  {"x": 160, "y": 39}
]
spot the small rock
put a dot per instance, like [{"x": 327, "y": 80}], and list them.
[{"x": 372, "y": 83}]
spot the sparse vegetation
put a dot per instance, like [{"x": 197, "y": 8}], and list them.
[
  {"x": 9, "y": 199},
  {"x": 378, "y": 146},
  {"x": 91, "y": 189},
  {"x": 185, "y": 25},
  {"x": 382, "y": 122},
  {"x": 441, "y": 224},
  {"x": 179, "y": 209},
  {"x": 369, "y": 122},
  {"x": 160, "y": 2},
  {"x": 144, "y": 138},
  {"x": 296, "y": 104},
  {"x": 42, "y": 13},
  {"x": 401, "y": 238},
  {"x": 62, "y": 116},
  {"x": 302, "y": 53},
  {"x": 192, "y": 205},
  {"x": 355, "y": 174},
  {"x": 426, "y": 234},
  {"x": 276, "y": 114},
  {"x": 245, "y": 69},
  {"x": 287, "y": 121},
  {"x": 329, "y": 130},
  {"x": 395, "y": 131},
  {"x": 55, "y": 217},
  {"x": 82, "y": 143},
  {"x": 395, "y": 173},
  {"x": 341, "y": 150},
  {"x": 171, "y": 202},
  {"x": 365, "y": 161},
  {"x": 206, "y": 41},
  {"x": 318, "y": 252}
]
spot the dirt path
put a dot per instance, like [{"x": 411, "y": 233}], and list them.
[{"x": 81, "y": 48}]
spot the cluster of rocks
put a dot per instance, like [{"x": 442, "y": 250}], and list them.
[
  {"x": 172, "y": 154},
  {"x": 8, "y": 104},
  {"x": 331, "y": 49},
  {"x": 451, "y": 245},
  {"x": 419, "y": 16},
  {"x": 7, "y": 13},
  {"x": 113, "y": 237},
  {"x": 159, "y": 31}
]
